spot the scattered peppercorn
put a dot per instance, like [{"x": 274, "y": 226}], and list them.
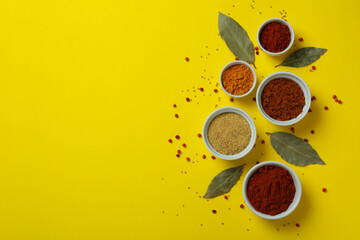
[
  {"x": 170, "y": 140},
  {"x": 334, "y": 97},
  {"x": 256, "y": 48},
  {"x": 254, "y": 99},
  {"x": 237, "y": 59},
  {"x": 242, "y": 205},
  {"x": 188, "y": 159},
  {"x": 340, "y": 102},
  {"x": 226, "y": 197},
  {"x": 306, "y": 140},
  {"x": 326, "y": 108},
  {"x": 184, "y": 145},
  {"x": 176, "y": 115},
  {"x": 199, "y": 135},
  {"x": 313, "y": 98},
  {"x": 231, "y": 99},
  {"x": 174, "y": 105},
  {"x": 312, "y": 131},
  {"x": 292, "y": 129},
  {"x": 257, "y": 52},
  {"x": 311, "y": 70},
  {"x": 177, "y": 137},
  {"x": 262, "y": 141},
  {"x": 178, "y": 155},
  {"x": 215, "y": 90},
  {"x": 313, "y": 67},
  {"x": 204, "y": 156},
  {"x": 310, "y": 110},
  {"x": 187, "y": 59},
  {"x": 213, "y": 157},
  {"x": 188, "y": 99},
  {"x": 201, "y": 89},
  {"x": 297, "y": 225},
  {"x": 257, "y": 162},
  {"x": 301, "y": 39},
  {"x": 324, "y": 190},
  {"x": 179, "y": 151},
  {"x": 214, "y": 211}
]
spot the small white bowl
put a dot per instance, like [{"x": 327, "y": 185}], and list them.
[
  {"x": 242, "y": 113},
  {"x": 296, "y": 199},
  {"x": 303, "y": 87},
  {"x": 279, "y": 20},
  {"x": 233, "y": 63}
]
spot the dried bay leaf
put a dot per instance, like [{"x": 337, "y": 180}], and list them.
[
  {"x": 236, "y": 38},
  {"x": 303, "y": 57},
  {"x": 294, "y": 150},
  {"x": 223, "y": 182}
]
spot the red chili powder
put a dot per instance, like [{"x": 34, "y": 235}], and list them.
[
  {"x": 275, "y": 37},
  {"x": 282, "y": 99},
  {"x": 271, "y": 190}
]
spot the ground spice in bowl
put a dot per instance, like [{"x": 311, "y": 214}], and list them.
[
  {"x": 275, "y": 37},
  {"x": 238, "y": 79},
  {"x": 229, "y": 133},
  {"x": 271, "y": 190},
  {"x": 282, "y": 99}
]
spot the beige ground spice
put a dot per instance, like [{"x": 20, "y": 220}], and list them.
[{"x": 229, "y": 133}]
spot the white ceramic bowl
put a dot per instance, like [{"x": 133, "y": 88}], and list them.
[
  {"x": 279, "y": 20},
  {"x": 297, "y": 196},
  {"x": 303, "y": 87},
  {"x": 216, "y": 113},
  {"x": 233, "y": 63}
]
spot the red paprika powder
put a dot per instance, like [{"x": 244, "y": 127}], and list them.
[
  {"x": 275, "y": 37},
  {"x": 282, "y": 99},
  {"x": 271, "y": 190}
]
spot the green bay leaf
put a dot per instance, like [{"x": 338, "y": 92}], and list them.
[
  {"x": 236, "y": 38},
  {"x": 294, "y": 150},
  {"x": 303, "y": 57},
  {"x": 223, "y": 182}
]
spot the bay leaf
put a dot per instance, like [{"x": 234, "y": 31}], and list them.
[
  {"x": 294, "y": 150},
  {"x": 303, "y": 57},
  {"x": 223, "y": 182},
  {"x": 236, "y": 38}
]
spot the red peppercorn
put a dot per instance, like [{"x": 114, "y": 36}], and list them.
[
  {"x": 213, "y": 157},
  {"x": 214, "y": 211},
  {"x": 170, "y": 140},
  {"x": 187, "y": 59},
  {"x": 256, "y": 48},
  {"x": 310, "y": 110},
  {"x": 257, "y": 53},
  {"x": 313, "y": 67},
  {"x": 313, "y": 98},
  {"x": 257, "y": 162},
  {"x": 306, "y": 140},
  {"x": 231, "y": 99},
  {"x": 215, "y": 90},
  {"x": 176, "y": 115},
  {"x": 177, "y": 137},
  {"x": 312, "y": 131},
  {"x": 262, "y": 141},
  {"x": 201, "y": 89},
  {"x": 179, "y": 151},
  {"x": 204, "y": 156},
  {"x": 301, "y": 39},
  {"x": 254, "y": 99},
  {"x": 178, "y": 155},
  {"x": 311, "y": 70},
  {"x": 199, "y": 135},
  {"x": 242, "y": 205},
  {"x": 336, "y": 100},
  {"x": 188, "y": 99},
  {"x": 188, "y": 159},
  {"x": 334, "y": 97},
  {"x": 292, "y": 129},
  {"x": 324, "y": 190},
  {"x": 184, "y": 145},
  {"x": 237, "y": 59},
  {"x": 326, "y": 108},
  {"x": 226, "y": 197},
  {"x": 297, "y": 225},
  {"x": 174, "y": 105},
  {"x": 340, "y": 102}
]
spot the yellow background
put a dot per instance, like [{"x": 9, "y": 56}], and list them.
[{"x": 86, "y": 96}]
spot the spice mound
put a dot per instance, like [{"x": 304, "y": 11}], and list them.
[
  {"x": 282, "y": 99},
  {"x": 271, "y": 190},
  {"x": 238, "y": 79},
  {"x": 275, "y": 37},
  {"x": 229, "y": 133}
]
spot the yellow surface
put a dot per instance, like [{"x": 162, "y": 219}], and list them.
[{"x": 86, "y": 96}]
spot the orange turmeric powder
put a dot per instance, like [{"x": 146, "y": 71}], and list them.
[{"x": 237, "y": 80}]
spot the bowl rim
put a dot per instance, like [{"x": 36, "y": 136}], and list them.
[
  {"x": 242, "y": 113},
  {"x": 302, "y": 84},
  {"x": 233, "y": 63},
  {"x": 292, "y": 35},
  {"x": 297, "y": 196}
]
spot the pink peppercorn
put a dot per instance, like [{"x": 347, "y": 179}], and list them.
[
  {"x": 292, "y": 129},
  {"x": 256, "y": 48},
  {"x": 176, "y": 115},
  {"x": 310, "y": 110},
  {"x": 170, "y": 140},
  {"x": 306, "y": 140},
  {"x": 215, "y": 90},
  {"x": 262, "y": 141},
  {"x": 201, "y": 89},
  {"x": 297, "y": 225},
  {"x": 187, "y": 59},
  {"x": 254, "y": 99},
  {"x": 242, "y": 205},
  {"x": 179, "y": 151},
  {"x": 334, "y": 97},
  {"x": 313, "y": 67},
  {"x": 231, "y": 99},
  {"x": 237, "y": 59},
  {"x": 178, "y": 155},
  {"x": 213, "y": 157},
  {"x": 257, "y": 53},
  {"x": 301, "y": 39},
  {"x": 340, "y": 102},
  {"x": 204, "y": 156},
  {"x": 324, "y": 190},
  {"x": 312, "y": 131},
  {"x": 188, "y": 99},
  {"x": 184, "y": 145},
  {"x": 214, "y": 211},
  {"x": 326, "y": 108},
  {"x": 226, "y": 197},
  {"x": 199, "y": 135},
  {"x": 177, "y": 137},
  {"x": 188, "y": 159},
  {"x": 174, "y": 105}
]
